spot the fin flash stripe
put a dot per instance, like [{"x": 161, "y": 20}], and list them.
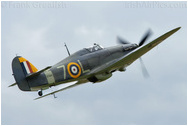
[
  {"x": 21, "y": 59},
  {"x": 27, "y": 66}
]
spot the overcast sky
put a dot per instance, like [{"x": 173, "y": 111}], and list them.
[{"x": 37, "y": 31}]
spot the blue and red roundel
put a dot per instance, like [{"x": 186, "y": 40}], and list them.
[{"x": 74, "y": 70}]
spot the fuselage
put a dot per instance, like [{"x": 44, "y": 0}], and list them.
[
  {"x": 93, "y": 64},
  {"x": 77, "y": 65}
]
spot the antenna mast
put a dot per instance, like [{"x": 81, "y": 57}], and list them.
[{"x": 67, "y": 49}]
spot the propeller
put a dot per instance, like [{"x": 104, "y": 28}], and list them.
[
  {"x": 142, "y": 41},
  {"x": 122, "y": 41},
  {"x": 145, "y": 37},
  {"x": 144, "y": 70}
]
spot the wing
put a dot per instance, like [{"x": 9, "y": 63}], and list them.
[
  {"x": 132, "y": 56},
  {"x": 65, "y": 88}
]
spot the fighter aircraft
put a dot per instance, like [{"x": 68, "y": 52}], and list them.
[{"x": 94, "y": 64}]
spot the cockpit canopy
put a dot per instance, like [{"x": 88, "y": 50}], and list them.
[
  {"x": 84, "y": 51},
  {"x": 94, "y": 48}
]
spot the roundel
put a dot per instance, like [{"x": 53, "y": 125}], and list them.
[{"x": 74, "y": 69}]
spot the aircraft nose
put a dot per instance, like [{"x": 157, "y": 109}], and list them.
[{"x": 127, "y": 47}]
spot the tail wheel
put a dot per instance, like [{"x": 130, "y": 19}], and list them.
[{"x": 40, "y": 93}]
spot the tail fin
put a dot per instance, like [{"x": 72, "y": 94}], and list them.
[
  {"x": 27, "y": 66},
  {"x": 21, "y": 68}
]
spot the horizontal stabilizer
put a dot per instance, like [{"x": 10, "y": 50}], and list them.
[
  {"x": 12, "y": 85},
  {"x": 37, "y": 73}
]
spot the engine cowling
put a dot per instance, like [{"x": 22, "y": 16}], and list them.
[{"x": 99, "y": 77}]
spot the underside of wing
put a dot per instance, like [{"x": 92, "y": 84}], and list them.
[
  {"x": 132, "y": 56},
  {"x": 64, "y": 88}
]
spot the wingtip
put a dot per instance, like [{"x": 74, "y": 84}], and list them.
[
  {"x": 178, "y": 28},
  {"x": 175, "y": 29}
]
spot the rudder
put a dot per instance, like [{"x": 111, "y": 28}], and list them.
[{"x": 21, "y": 68}]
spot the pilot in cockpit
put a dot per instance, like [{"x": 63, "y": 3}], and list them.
[{"x": 95, "y": 47}]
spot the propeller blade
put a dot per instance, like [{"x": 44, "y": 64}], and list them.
[
  {"x": 146, "y": 36},
  {"x": 144, "y": 70},
  {"x": 122, "y": 41}
]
